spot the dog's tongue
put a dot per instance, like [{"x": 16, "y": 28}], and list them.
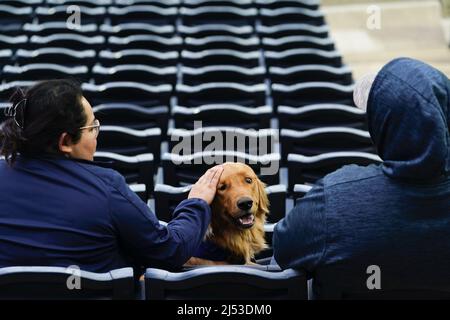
[{"x": 247, "y": 219}]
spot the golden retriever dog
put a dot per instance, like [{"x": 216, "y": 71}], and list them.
[{"x": 239, "y": 212}]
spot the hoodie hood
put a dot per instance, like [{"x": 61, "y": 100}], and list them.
[{"x": 408, "y": 116}]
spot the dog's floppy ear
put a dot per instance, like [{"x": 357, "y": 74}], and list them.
[{"x": 263, "y": 201}]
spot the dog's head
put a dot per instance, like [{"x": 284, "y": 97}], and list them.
[{"x": 241, "y": 200}]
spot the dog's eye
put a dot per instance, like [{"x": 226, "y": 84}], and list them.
[
  {"x": 222, "y": 187},
  {"x": 248, "y": 180}
]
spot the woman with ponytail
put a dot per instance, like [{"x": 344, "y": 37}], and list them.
[{"x": 58, "y": 208}]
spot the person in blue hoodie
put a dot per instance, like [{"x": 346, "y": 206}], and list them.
[
  {"x": 382, "y": 227},
  {"x": 59, "y": 208}
]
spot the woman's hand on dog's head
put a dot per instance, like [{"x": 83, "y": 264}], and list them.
[{"x": 205, "y": 188}]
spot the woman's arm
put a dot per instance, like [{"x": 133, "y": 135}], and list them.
[{"x": 153, "y": 244}]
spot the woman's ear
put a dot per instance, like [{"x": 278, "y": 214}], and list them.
[
  {"x": 263, "y": 205},
  {"x": 65, "y": 143}
]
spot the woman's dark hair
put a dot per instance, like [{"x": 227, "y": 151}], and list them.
[{"x": 39, "y": 116}]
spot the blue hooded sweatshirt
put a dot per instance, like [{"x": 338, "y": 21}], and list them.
[
  {"x": 62, "y": 212},
  {"x": 382, "y": 226}
]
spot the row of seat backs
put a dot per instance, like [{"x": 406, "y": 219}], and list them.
[
  {"x": 224, "y": 93},
  {"x": 160, "y": 15},
  {"x": 168, "y": 43},
  {"x": 189, "y": 76},
  {"x": 180, "y": 171},
  {"x": 77, "y": 54},
  {"x": 214, "y": 116},
  {"x": 227, "y": 282},
  {"x": 262, "y": 282},
  {"x": 311, "y": 142},
  {"x": 169, "y": 3},
  {"x": 274, "y": 33}
]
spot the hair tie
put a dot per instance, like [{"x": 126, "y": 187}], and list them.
[{"x": 11, "y": 112}]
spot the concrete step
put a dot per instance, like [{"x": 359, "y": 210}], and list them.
[{"x": 406, "y": 28}]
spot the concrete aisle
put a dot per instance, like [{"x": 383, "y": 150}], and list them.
[{"x": 407, "y": 28}]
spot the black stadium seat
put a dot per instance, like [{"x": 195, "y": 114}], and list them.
[
  {"x": 130, "y": 142},
  {"x": 145, "y": 41},
  {"x": 160, "y": 3},
  {"x": 251, "y": 141},
  {"x": 311, "y": 73},
  {"x": 326, "y": 139},
  {"x": 215, "y": 29},
  {"x": 128, "y": 92},
  {"x": 207, "y": 3},
  {"x": 41, "y": 71},
  {"x": 222, "y": 42},
  {"x": 167, "y": 198},
  {"x": 143, "y": 13},
  {"x": 49, "y": 28},
  {"x": 223, "y": 115},
  {"x": 297, "y": 42},
  {"x": 137, "y": 56},
  {"x": 223, "y": 73},
  {"x": 133, "y": 116},
  {"x": 137, "y": 169},
  {"x": 220, "y": 56},
  {"x": 308, "y": 169},
  {"x": 293, "y": 29},
  {"x": 7, "y": 88},
  {"x": 226, "y": 282},
  {"x": 87, "y": 3},
  {"x": 301, "y": 56},
  {"x": 134, "y": 72},
  {"x": 179, "y": 170},
  {"x": 221, "y": 93},
  {"x": 44, "y": 283},
  {"x": 15, "y": 15},
  {"x": 23, "y": 3},
  {"x": 307, "y": 93},
  {"x": 5, "y": 56},
  {"x": 321, "y": 115},
  {"x": 13, "y": 42},
  {"x": 275, "y": 4},
  {"x": 291, "y": 15},
  {"x": 300, "y": 190},
  {"x": 277, "y": 197},
  {"x": 131, "y": 28},
  {"x": 60, "y": 56},
  {"x": 68, "y": 40},
  {"x": 218, "y": 14}
]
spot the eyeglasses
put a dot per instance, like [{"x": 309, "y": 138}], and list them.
[{"x": 94, "y": 128}]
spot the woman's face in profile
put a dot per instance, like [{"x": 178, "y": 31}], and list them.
[{"x": 85, "y": 148}]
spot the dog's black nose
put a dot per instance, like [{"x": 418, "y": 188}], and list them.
[{"x": 245, "y": 203}]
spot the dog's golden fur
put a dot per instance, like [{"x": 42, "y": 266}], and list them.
[{"x": 238, "y": 181}]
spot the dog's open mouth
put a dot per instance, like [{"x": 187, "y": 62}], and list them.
[{"x": 246, "y": 220}]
